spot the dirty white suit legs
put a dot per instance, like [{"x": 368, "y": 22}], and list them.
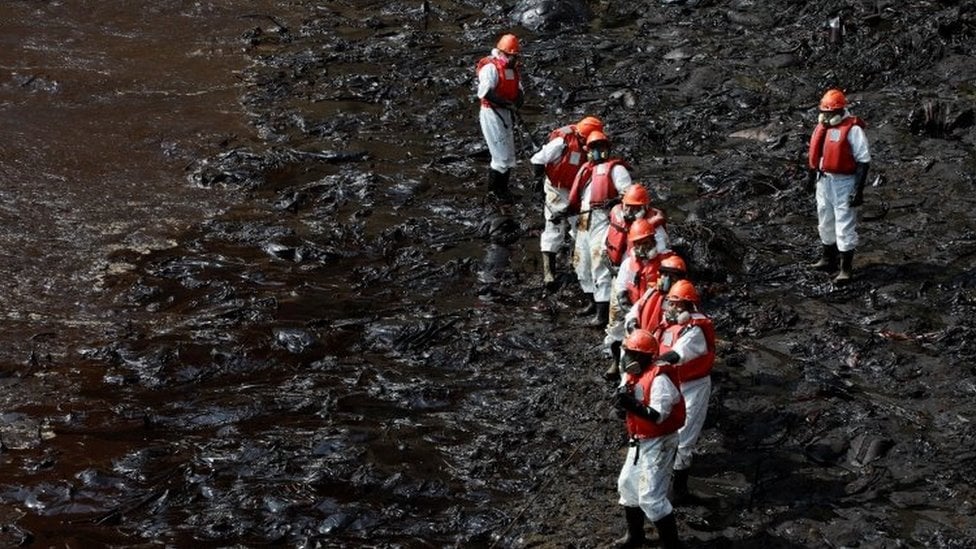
[
  {"x": 553, "y": 235},
  {"x": 696, "y": 393},
  {"x": 646, "y": 484},
  {"x": 500, "y": 139},
  {"x": 837, "y": 222},
  {"x": 594, "y": 274}
]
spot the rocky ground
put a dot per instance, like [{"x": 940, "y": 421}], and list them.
[{"x": 362, "y": 353}]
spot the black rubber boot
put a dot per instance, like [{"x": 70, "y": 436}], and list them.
[
  {"x": 635, "y": 529},
  {"x": 846, "y": 270},
  {"x": 590, "y": 306},
  {"x": 679, "y": 487},
  {"x": 828, "y": 259},
  {"x": 498, "y": 185},
  {"x": 548, "y": 269},
  {"x": 602, "y": 315},
  {"x": 667, "y": 530},
  {"x": 613, "y": 372}
]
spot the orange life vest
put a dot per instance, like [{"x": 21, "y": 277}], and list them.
[
  {"x": 641, "y": 428},
  {"x": 507, "y": 87},
  {"x": 649, "y": 309},
  {"x": 829, "y": 149},
  {"x": 599, "y": 176},
  {"x": 645, "y": 275},
  {"x": 620, "y": 227},
  {"x": 668, "y": 335},
  {"x": 562, "y": 172}
]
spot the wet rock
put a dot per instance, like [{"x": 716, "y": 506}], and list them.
[
  {"x": 829, "y": 451},
  {"x": 865, "y": 449},
  {"x": 547, "y": 15},
  {"x": 294, "y": 340},
  {"x": 712, "y": 252},
  {"x": 282, "y": 251}
]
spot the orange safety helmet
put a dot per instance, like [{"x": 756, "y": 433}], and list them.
[
  {"x": 683, "y": 290},
  {"x": 597, "y": 136},
  {"x": 509, "y": 44},
  {"x": 674, "y": 263},
  {"x": 585, "y": 126},
  {"x": 636, "y": 195},
  {"x": 641, "y": 341},
  {"x": 640, "y": 230},
  {"x": 833, "y": 100}
]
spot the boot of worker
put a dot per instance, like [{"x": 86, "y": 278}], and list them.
[
  {"x": 590, "y": 306},
  {"x": 498, "y": 185},
  {"x": 635, "y": 529},
  {"x": 828, "y": 259},
  {"x": 679, "y": 487},
  {"x": 846, "y": 272},
  {"x": 602, "y": 315},
  {"x": 667, "y": 530},
  {"x": 548, "y": 269},
  {"x": 613, "y": 372}
]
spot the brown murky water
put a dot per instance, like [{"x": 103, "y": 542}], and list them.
[{"x": 102, "y": 106}]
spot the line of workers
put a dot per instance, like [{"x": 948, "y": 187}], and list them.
[{"x": 660, "y": 342}]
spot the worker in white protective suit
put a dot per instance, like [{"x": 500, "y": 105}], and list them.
[
  {"x": 654, "y": 410},
  {"x": 597, "y": 188},
  {"x": 500, "y": 92},
  {"x": 556, "y": 165},
  {"x": 838, "y": 163},
  {"x": 686, "y": 340}
]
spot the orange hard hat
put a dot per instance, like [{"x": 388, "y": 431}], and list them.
[
  {"x": 641, "y": 341},
  {"x": 597, "y": 136},
  {"x": 509, "y": 44},
  {"x": 683, "y": 290},
  {"x": 640, "y": 230},
  {"x": 674, "y": 263},
  {"x": 585, "y": 126},
  {"x": 636, "y": 195},
  {"x": 833, "y": 100}
]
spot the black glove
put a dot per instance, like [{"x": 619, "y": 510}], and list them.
[
  {"x": 493, "y": 98},
  {"x": 811, "y": 184},
  {"x": 623, "y": 298},
  {"x": 557, "y": 216},
  {"x": 539, "y": 171},
  {"x": 860, "y": 177},
  {"x": 671, "y": 357},
  {"x": 627, "y": 402}
]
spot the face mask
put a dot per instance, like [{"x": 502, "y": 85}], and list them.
[
  {"x": 631, "y": 365},
  {"x": 830, "y": 119},
  {"x": 675, "y": 315},
  {"x": 645, "y": 251},
  {"x": 597, "y": 155},
  {"x": 664, "y": 283}
]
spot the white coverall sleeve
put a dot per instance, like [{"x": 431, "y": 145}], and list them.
[
  {"x": 621, "y": 179},
  {"x": 550, "y": 152},
  {"x": 691, "y": 345},
  {"x": 661, "y": 240},
  {"x": 859, "y": 144},
  {"x": 487, "y": 79},
  {"x": 664, "y": 395},
  {"x": 623, "y": 275}
]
